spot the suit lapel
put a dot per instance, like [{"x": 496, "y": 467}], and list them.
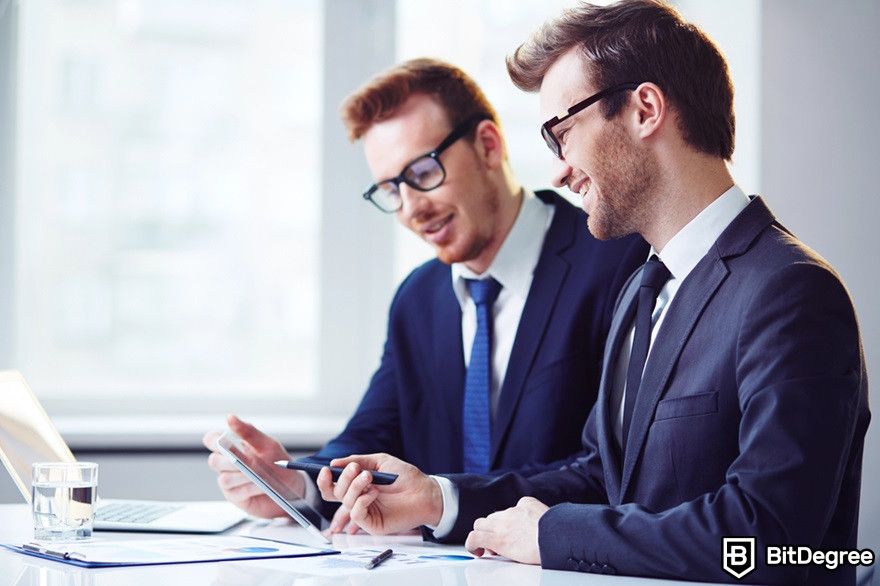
[
  {"x": 449, "y": 359},
  {"x": 691, "y": 299},
  {"x": 547, "y": 281},
  {"x": 687, "y": 306},
  {"x": 620, "y": 325}
]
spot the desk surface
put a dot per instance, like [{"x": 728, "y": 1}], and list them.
[{"x": 21, "y": 570}]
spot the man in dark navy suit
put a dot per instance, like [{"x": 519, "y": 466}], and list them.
[
  {"x": 493, "y": 352},
  {"x": 733, "y": 399}
]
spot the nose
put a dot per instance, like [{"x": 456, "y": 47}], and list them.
[
  {"x": 561, "y": 173},
  {"x": 415, "y": 202}
]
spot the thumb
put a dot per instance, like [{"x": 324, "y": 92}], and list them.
[{"x": 366, "y": 462}]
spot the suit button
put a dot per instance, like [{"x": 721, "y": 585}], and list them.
[
  {"x": 571, "y": 564},
  {"x": 583, "y": 566}
]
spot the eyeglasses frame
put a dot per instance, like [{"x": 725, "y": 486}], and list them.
[
  {"x": 547, "y": 128},
  {"x": 458, "y": 132}
]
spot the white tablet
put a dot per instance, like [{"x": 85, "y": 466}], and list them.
[{"x": 272, "y": 480}]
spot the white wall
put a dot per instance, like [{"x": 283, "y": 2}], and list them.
[
  {"x": 735, "y": 26},
  {"x": 820, "y": 85}
]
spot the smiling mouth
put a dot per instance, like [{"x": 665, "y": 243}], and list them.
[
  {"x": 435, "y": 227},
  {"x": 582, "y": 188}
]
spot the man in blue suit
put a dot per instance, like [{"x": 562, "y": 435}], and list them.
[
  {"x": 733, "y": 399},
  {"x": 464, "y": 383}
]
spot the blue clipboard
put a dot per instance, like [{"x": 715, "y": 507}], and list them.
[{"x": 151, "y": 552}]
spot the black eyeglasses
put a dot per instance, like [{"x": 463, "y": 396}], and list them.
[
  {"x": 423, "y": 173},
  {"x": 547, "y": 127}
]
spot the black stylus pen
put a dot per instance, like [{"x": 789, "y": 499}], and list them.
[{"x": 379, "y": 559}]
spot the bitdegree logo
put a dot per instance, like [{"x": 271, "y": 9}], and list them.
[
  {"x": 801, "y": 555},
  {"x": 738, "y": 556}
]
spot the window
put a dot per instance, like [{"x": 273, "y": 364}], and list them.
[{"x": 167, "y": 202}]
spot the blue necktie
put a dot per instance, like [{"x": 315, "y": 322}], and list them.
[
  {"x": 478, "y": 381},
  {"x": 654, "y": 276}
]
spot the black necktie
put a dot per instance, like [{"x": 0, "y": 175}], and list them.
[{"x": 654, "y": 276}]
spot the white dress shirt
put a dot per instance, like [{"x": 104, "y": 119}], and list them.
[
  {"x": 513, "y": 267},
  {"x": 680, "y": 255}
]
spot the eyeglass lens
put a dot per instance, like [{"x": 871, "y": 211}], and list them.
[{"x": 425, "y": 173}]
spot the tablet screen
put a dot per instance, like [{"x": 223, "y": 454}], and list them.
[{"x": 273, "y": 480}]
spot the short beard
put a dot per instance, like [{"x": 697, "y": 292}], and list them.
[
  {"x": 627, "y": 172},
  {"x": 489, "y": 196}
]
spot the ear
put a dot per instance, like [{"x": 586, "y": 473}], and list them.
[
  {"x": 651, "y": 110},
  {"x": 489, "y": 144}
]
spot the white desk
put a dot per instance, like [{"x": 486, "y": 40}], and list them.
[{"x": 22, "y": 570}]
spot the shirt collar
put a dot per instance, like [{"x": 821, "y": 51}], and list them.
[
  {"x": 682, "y": 253},
  {"x": 518, "y": 255}
]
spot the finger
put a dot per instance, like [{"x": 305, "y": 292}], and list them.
[
  {"x": 325, "y": 485},
  {"x": 256, "y": 438},
  {"x": 348, "y": 474},
  {"x": 524, "y": 501},
  {"x": 340, "y": 519},
  {"x": 484, "y": 524},
  {"x": 358, "y": 486},
  {"x": 472, "y": 545},
  {"x": 220, "y": 463},
  {"x": 497, "y": 516},
  {"x": 209, "y": 440},
  {"x": 365, "y": 461},
  {"x": 480, "y": 542},
  {"x": 241, "y": 492},
  {"x": 230, "y": 480},
  {"x": 361, "y": 509},
  {"x": 352, "y": 529}
]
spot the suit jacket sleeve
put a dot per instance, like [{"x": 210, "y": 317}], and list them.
[
  {"x": 581, "y": 481},
  {"x": 799, "y": 374}
]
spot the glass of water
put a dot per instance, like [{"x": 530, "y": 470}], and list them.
[{"x": 63, "y": 500}]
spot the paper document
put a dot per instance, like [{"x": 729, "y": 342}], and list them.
[
  {"x": 105, "y": 552},
  {"x": 353, "y": 561}
]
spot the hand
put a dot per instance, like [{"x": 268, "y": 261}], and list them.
[
  {"x": 236, "y": 487},
  {"x": 512, "y": 533},
  {"x": 413, "y": 499},
  {"x": 342, "y": 522}
]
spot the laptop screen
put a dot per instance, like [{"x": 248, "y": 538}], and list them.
[{"x": 27, "y": 435}]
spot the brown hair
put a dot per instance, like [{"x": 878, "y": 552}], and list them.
[
  {"x": 638, "y": 41},
  {"x": 379, "y": 98}
]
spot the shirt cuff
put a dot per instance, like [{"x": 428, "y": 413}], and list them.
[
  {"x": 311, "y": 496},
  {"x": 450, "y": 507}
]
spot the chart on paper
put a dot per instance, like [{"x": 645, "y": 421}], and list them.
[{"x": 354, "y": 561}]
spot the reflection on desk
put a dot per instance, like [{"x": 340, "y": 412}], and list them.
[{"x": 20, "y": 570}]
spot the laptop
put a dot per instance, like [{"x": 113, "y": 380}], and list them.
[{"x": 27, "y": 435}]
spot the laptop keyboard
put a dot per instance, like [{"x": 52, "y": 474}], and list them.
[{"x": 133, "y": 512}]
